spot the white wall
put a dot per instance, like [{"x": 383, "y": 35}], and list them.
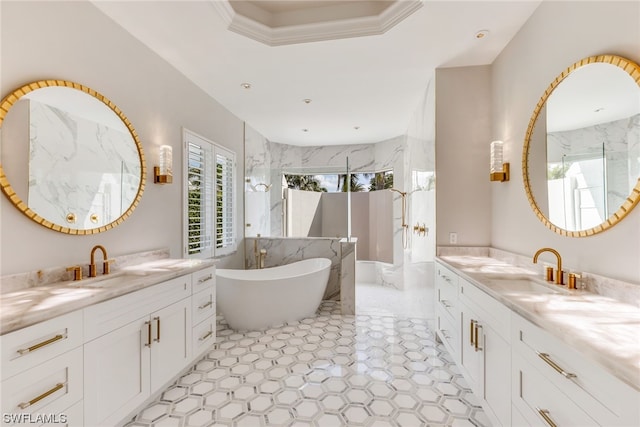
[
  {"x": 557, "y": 35},
  {"x": 74, "y": 41},
  {"x": 463, "y": 135}
]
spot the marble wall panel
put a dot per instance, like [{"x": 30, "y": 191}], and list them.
[{"x": 286, "y": 250}]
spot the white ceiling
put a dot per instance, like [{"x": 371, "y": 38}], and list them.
[{"x": 374, "y": 83}]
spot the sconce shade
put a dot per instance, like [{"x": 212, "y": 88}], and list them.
[
  {"x": 499, "y": 170},
  {"x": 163, "y": 174}
]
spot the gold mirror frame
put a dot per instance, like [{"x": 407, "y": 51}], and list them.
[
  {"x": 14, "y": 97},
  {"x": 633, "y": 70}
]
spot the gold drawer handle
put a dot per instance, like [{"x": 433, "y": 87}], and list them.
[
  {"x": 42, "y": 344},
  {"x": 207, "y": 335},
  {"x": 203, "y": 306},
  {"x": 476, "y": 346},
  {"x": 471, "y": 328},
  {"x": 205, "y": 279},
  {"x": 554, "y": 365},
  {"x": 545, "y": 415},
  {"x": 25, "y": 405}
]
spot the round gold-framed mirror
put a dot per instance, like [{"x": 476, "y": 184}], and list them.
[
  {"x": 581, "y": 154},
  {"x": 70, "y": 159}
]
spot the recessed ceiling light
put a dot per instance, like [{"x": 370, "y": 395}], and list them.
[
  {"x": 305, "y": 130},
  {"x": 482, "y": 34},
  {"x": 306, "y": 101},
  {"x": 246, "y": 85},
  {"x": 356, "y": 127},
  {"x": 597, "y": 110}
]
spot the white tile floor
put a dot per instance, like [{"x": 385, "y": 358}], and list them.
[{"x": 329, "y": 370}]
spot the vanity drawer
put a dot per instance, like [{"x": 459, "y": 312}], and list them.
[
  {"x": 203, "y": 305},
  {"x": 447, "y": 298},
  {"x": 48, "y": 388},
  {"x": 446, "y": 277},
  {"x": 448, "y": 333},
  {"x": 609, "y": 401},
  {"x": 31, "y": 346},
  {"x": 541, "y": 402},
  {"x": 203, "y": 336},
  {"x": 203, "y": 279},
  {"x": 490, "y": 310}
]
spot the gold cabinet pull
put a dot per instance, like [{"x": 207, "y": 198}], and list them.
[
  {"x": 471, "y": 329},
  {"x": 475, "y": 333},
  {"x": 545, "y": 415},
  {"x": 207, "y": 335},
  {"x": 42, "y": 344},
  {"x": 157, "y": 320},
  {"x": 554, "y": 365},
  {"x": 148, "y": 343},
  {"x": 203, "y": 306},
  {"x": 25, "y": 405},
  {"x": 205, "y": 279}
]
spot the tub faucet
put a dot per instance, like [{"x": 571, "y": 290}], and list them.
[
  {"x": 559, "y": 275},
  {"x": 263, "y": 255},
  {"x": 256, "y": 252},
  {"x": 105, "y": 262}
]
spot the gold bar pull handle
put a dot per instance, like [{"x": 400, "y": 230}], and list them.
[
  {"x": 42, "y": 344},
  {"x": 205, "y": 336},
  {"x": 205, "y": 278},
  {"x": 157, "y": 320},
  {"x": 545, "y": 416},
  {"x": 148, "y": 343},
  {"x": 477, "y": 341},
  {"x": 554, "y": 365},
  {"x": 471, "y": 329},
  {"x": 205, "y": 305},
  {"x": 25, "y": 405}
]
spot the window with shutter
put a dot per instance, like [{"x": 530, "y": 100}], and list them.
[{"x": 209, "y": 198}]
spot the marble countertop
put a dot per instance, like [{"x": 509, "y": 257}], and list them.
[
  {"x": 603, "y": 329},
  {"x": 24, "y": 307}
]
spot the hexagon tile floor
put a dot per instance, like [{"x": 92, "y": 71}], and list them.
[{"x": 329, "y": 370}]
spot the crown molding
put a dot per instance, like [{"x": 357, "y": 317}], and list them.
[{"x": 306, "y": 33}]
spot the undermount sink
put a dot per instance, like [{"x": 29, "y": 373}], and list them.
[
  {"x": 522, "y": 285},
  {"x": 106, "y": 280}
]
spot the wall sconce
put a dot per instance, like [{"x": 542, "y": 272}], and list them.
[
  {"x": 499, "y": 169},
  {"x": 163, "y": 174}
]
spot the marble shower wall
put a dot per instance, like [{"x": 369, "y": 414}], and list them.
[
  {"x": 286, "y": 250},
  {"x": 267, "y": 160}
]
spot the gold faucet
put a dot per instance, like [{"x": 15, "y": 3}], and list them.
[
  {"x": 256, "y": 253},
  {"x": 105, "y": 262},
  {"x": 559, "y": 275},
  {"x": 263, "y": 255}
]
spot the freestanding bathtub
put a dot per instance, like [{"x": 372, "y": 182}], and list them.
[{"x": 257, "y": 299}]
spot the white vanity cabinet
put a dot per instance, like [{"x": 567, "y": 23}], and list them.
[
  {"x": 485, "y": 349},
  {"x": 42, "y": 372},
  {"x": 554, "y": 384},
  {"x": 134, "y": 345},
  {"x": 524, "y": 375},
  {"x": 447, "y": 311},
  {"x": 203, "y": 310}
]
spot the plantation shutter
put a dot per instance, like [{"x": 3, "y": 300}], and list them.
[
  {"x": 209, "y": 198},
  {"x": 200, "y": 212},
  {"x": 225, "y": 206}
]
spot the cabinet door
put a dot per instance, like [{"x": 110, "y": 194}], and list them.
[
  {"x": 116, "y": 373},
  {"x": 497, "y": 375},
  {"x": 472, "y": 351},
  {"x": 171, "y": 342}
]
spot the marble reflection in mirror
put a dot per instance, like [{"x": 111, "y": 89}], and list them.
[
  {"x": 582, "y": 152},
  {"x": 72, "y": 159}
]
